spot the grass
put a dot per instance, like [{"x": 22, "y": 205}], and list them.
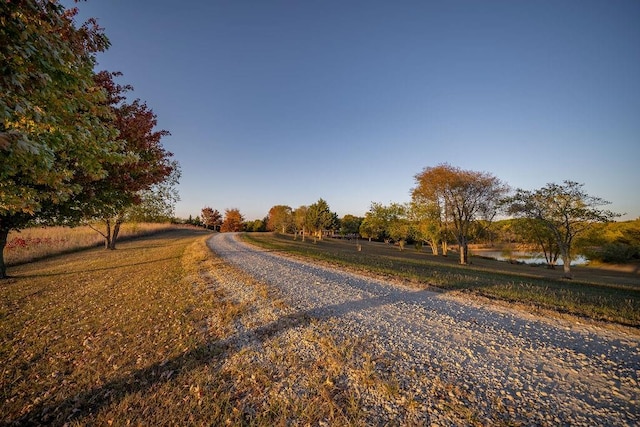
[
  {"x": 150, "y": 334},
  {"x": 80, "y": 328},
  {"x": 39, "y": 242},
  {"x": 594, "y": 294}
]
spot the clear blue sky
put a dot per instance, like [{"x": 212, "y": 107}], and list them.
[{"x": 284, "y": 102}]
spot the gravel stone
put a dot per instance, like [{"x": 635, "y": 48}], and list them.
[{"x": 497, "y": 360}]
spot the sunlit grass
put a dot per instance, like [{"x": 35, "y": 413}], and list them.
[
  {"x": 599, "y": 300},
  {"x": 39, "y": 242},
  {"x": 85, "y": 325}
]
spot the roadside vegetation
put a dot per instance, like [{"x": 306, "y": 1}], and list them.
[
  {"x": 596, "y": 294},
  {"x": 40, "y": 242}
]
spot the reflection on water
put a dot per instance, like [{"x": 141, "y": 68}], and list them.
[{"x": 528, "y": 257}]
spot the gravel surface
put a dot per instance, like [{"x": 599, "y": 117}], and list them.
[{"x": 532, "y": 370}]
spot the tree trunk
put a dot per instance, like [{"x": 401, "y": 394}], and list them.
[
  {"x": 114, "y": 236},
  {"x": 4, "y": 234},
  {"x": 565, "y": 254},
  {"x": 445, "y": 248},
  {"x": 549, "y": 258},
  {"x": 107, "y": 235},
  {"x": 464, "y": 252},
  {"x": 434, "y": 247},
  {"x": 550, "y": 255},
  {"x": 566, "y": 266}
]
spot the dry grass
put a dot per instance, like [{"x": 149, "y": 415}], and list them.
[
  {"x": 80, "y": 332},
  {"x": 39, "y": 242}
]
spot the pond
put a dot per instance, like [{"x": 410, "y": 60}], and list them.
[{"x": 527, "y": 257}]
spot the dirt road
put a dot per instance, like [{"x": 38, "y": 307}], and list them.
[{"x": 536, "y": 371}]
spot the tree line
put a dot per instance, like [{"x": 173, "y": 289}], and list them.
[
  {"x": 452, "y": 205},
  {"x": 74, "y": 148},
  {"x": 315, "y": 220}
]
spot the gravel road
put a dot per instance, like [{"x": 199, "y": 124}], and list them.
[{"x": 537, "y": 371}]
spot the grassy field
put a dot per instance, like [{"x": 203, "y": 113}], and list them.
[
  {"x": 599, "y": 294},
  {"x": 149, "y": 334},
  {"x": 35, "y": 243}
]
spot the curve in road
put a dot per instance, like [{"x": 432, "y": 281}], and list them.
[{"x": 552, "y": 371}]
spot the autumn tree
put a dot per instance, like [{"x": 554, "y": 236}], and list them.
[
  {"x": 233, "y": 221},
  {"x": 211, "y": 218},
  {"x": 319, "y": 218},
  {"x": 54, "y": 139},
  {"x": 148, "y": 164},
  {"x": 565, "y": 210},
  {"x": 464, "y": 198},
  {"x": 280, "y": 219}
]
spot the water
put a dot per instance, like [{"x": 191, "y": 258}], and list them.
[{"x": 529, "y": 257}]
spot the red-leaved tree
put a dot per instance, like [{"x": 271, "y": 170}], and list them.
[
  {"x": 211, "y": 218},
  {"x": 148, "y": 162}
]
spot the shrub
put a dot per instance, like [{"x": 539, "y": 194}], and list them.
[{"x": 615, "y": 252}]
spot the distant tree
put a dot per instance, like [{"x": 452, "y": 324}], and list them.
[
  {"x": 233, "y": 221},
  {"x": 398, "y": 225},
  {"x": 211, "y": 218},
  {"x": 53, "y": 136},
  {"x": 319, "y": 218},
  {"x": 566, "y": 210},
  {"x": 157, "y": 204},
  {"x": 376, "y": 222},
  {"x": 387, "y": 222},
  {"x": 257, "y": 225},
  {"x": 299, "y": 221},
  {"x": 463, "y": 197},
  {"x": 531, "y": 230},
  {"x": 506, "y": 231},
  {"x": 613, "y": 242},
  {"x": 366, "y": 229},
  {"x": 427, "y": 225},
  {"x": 280, "y": 219},
  {"x": 263, "y": 224},
  {"x": 350, "y": 225}
]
